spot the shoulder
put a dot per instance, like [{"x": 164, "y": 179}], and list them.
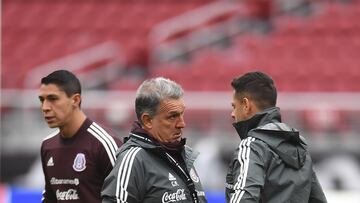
[
  {"x": 132, "y": 151},
  {"x": 50, "y": 143},
  {"x": 131, "y": 155},
  {"x": 50, "y": 138},
  {"x": 277, "y": 126},
  {"x": 190, "y": 154},
  {"x": 99, "y": 129},
  {"x": 251, "y": 142},
  {"x": 103, "y": 135},
  {"x": 138, "y": 149},
  {"x": 252, "y": 145}
]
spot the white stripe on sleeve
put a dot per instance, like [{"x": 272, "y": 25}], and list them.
[
  {"x": 123, "y": 175},
  {"x": 110, "y": 149},
  {"x": 107, "y": 136},
  {"x": 244, "y": 159}
]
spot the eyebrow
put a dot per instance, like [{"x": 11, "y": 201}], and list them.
[
  {"x": 174, "y": 112},
  {"x": 48, "y": 96}
]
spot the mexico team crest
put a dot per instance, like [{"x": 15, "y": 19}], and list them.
[
  {"x": 79, "y": 162},
  {"x": 193, "y": 176}
]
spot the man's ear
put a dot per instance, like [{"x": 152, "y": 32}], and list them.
[
  {"x": 247, "y": 104},
  {"x": 250, "y": 106},
  {"x": 146, "y": 120},
  {"x": 76, "y": 99}
]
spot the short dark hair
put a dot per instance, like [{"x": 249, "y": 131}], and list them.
[
  {"x": 258, "y": 86},
  {"x": 65, "y": 80}
]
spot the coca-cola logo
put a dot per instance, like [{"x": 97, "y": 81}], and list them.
[
  {"x": 70, "y": 194},
  {"x": 174, "y": 197}
]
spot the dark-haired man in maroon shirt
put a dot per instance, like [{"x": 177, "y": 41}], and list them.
[{"x": 76, "y": 158}]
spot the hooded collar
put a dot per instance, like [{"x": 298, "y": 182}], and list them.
[
  {"x": 259, "y": 119},
  {"x": 140, "y": 132},
  {"x": 283, "y": 140}
]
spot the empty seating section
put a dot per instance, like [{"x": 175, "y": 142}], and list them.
[
  {"x": 320, "y": 52},
  {"x": 37, "y": 31}
]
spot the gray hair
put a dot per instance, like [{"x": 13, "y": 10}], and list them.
[{"x": 152, "y": 91}]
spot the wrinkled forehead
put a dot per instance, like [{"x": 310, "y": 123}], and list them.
[{"x": 172, "y": 105}]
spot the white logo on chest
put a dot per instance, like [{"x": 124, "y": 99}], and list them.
[
  {"x": 173, "y": 181},
  {"x": 50, "y": 162},
  {"x": 79, "y": 162},
  {"x": 174, "y": 197}
]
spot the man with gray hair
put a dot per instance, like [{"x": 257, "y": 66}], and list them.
[{"x": 154, "y": 165}]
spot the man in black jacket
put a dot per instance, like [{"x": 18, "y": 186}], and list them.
[
  {"x": 272, "y": 163},
  {"x": 154, "y": 165}
]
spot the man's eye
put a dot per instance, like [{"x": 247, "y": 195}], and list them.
[{"x": 52, "y": 98}]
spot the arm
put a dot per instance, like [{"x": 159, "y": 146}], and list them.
[
  {"x": 316, "y": 195},
  {"x": 249, "y": 172},
  {"x": 48, "y": 196},
  {"x": 125, "y": 181}
]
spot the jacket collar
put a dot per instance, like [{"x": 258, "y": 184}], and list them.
[
  {"x": 141, "y": 138},
  {"x": 138, "y": 132},
  {"x": 259, "y": 119}
]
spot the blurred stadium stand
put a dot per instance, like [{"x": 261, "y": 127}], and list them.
[
  {"x": 302, "y": 53},
  {"x": 36, "y": 31},
  {"x": 310, "y": 47}
]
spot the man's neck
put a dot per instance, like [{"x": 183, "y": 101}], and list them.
[{"x": 73, "y": 125}]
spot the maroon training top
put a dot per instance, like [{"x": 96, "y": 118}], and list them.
[{"x": 75, "y": 168}]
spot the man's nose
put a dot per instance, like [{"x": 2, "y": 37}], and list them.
[
  {"x": 45, "y": 106},
  {"x": 181, "y": 123},
  {"x": 232, "y": 114}
]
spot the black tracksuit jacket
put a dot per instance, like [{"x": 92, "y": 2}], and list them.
[
  {"x": 146, "y": 173},
  {"x": 272, "y": 164}
]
